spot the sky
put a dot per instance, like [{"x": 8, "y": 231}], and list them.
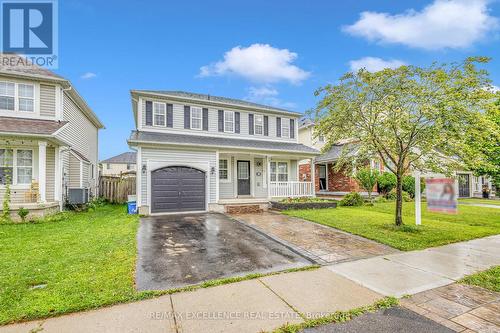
[{"x": 271, "y": 52}]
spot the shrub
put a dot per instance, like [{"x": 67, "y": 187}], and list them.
[
  {"x": 409, "y": 185},
  {"x": 367, "y": 178},
  {"x": 392, "y": 196},
  {"x": 380, "y": 199},
  {"x": 386, "y": 182},
  {"x": 23, "y": 212},
  {"x": 352, "y": 199}
]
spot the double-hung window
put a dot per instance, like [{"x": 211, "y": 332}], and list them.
[
  {"x": 7, "y": 96},
  {"x": 259, "y": 124},
  {"x": 159, "y": 114},
  {"x": 196, "y": 118},
  {"x": 26, "y": 98},
  {"x": 279, "y": 171},
  {"x": 285, "y": 128},
  {"x": 224, "y": 170},
  {"x": 229, "y": 121},
  {"x": 16, "y": 166}
]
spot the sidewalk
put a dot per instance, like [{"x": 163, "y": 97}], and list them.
[{"x": 266, "y": 303}]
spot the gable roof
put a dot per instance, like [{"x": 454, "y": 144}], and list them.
[
  {"x": 30, "y": 126},
  {"x": 215, "y": 99},
  {"x": 138, "y": 137},
  {"x": 129, "y": 157},
  {"x": 336, "y": 151},
  {"x": 20, "y": 67}
]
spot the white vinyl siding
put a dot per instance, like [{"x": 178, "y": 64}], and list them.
[
  {"x": 74, "y": 172},
  {"x": 47, "y": 101},
  {"x": 213, "y": 128},
  {"x": 50, "y": 175}
]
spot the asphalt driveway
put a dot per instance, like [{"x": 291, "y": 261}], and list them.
[{"x": 180, "y": 250}]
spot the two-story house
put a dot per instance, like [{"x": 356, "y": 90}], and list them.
[
  {"x": 205, "y": 153},
  {"x": 48, "y": 137},
  {"x": 123, "y": 163}
]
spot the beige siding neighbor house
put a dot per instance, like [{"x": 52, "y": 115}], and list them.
[
  {"x": 48, "y": 138},
  {"x": 205, "y": 153},
  {"x": 118, "y": 165}
]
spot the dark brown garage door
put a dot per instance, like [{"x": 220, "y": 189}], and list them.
[{"x": 177, "y": 189}]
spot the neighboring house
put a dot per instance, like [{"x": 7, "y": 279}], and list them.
[
  {"x": 119, "y": 164},
  {"x": 48, "y": 137},
  {"x": 330, "y": 182},
  {"x": 204, "y": 153}
]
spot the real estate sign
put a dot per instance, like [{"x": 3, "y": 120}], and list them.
[{"x": 441, "y": 195}]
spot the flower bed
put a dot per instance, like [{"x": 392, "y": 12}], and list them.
[{"x": 303, "y": 203}]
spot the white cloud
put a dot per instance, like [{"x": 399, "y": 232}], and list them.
[
  {"x": 442, "y": 24},
  {"x": 88, "y": 76},
  {"x": 258, "y": 63},
  {"x": 268, "y": 96},
  {"x": 374, "y": 64}
]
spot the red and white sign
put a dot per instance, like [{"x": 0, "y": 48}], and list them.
[{"x": 441, "y": 195}]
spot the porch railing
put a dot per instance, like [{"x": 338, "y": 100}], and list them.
[{"x": 291, "y": 189}]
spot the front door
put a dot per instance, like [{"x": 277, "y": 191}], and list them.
[
  {"x": 463, "y": 185},
  {"x": 243, "y": 173},
  {"x": 322, "y": 177}
]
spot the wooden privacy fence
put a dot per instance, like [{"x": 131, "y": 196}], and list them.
[{"x": 115, "y": 189}]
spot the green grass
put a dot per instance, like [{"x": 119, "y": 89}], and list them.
[
  {"x": 377, "y": 223},
  {"x": 86, "y": 260},
  {"x": 489, "y": 279},
  {"x": 495, "y": 202}
]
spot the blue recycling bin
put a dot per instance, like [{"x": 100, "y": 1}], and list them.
[{"x": 132, "y": 207}]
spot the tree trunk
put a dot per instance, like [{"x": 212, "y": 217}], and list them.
[{"x": 399, "y": 200}]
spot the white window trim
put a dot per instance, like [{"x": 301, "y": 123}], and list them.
[
  {"x": 277, "y": 173},
  {"x": 225, "y": 120},
  {"x": 192, "y": 118},
  {"x": 14, "y": 182},
  {"x": 287, "y": 122},
  {"x": 228, "y": 180},
  {"x": 16, "y": 98},
  {"x": 164, "y": 114},
  {"x": 255, "y": 124}
]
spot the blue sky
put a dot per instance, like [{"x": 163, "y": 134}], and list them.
[{"x": 272, "y": 52}]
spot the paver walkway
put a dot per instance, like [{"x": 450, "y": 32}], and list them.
[{"x": 320, "y": 243}]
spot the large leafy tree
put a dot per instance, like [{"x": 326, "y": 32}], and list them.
[{"x": 413, "y": 118}]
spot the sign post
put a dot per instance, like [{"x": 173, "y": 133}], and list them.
[{"x": 418, "y": 203}]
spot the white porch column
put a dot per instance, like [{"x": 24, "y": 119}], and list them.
[
  {"x": 42, "y": 174},
  {"x": 313, "y": 177},
  {"x": 268, "y": 176}
]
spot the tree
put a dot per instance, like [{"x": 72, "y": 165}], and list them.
[
  {"x": 367, "y": 179},
  {"x": 410, "y": 117}
]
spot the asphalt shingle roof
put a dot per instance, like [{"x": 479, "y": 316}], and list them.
[
  {"x": 222, "y": 142},
  {"x": 125, "y": 158},
  {"x": 336, "y": 151},
  {"x": 30, "y": 126},
  {"x": 15, "y": 64}
]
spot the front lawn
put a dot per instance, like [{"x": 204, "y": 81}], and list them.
[
  {"x": 489, "y": 279},
  {"x": 73, "y": 262},
  {"x": 495, "y": 202},
  {"x": 377, "y": 223}
]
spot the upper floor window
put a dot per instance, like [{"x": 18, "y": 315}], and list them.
[
  {"x": 259, "y": 124},
  {"x": 285, "y": 127},
  {"x": 196, "y": 118},
  {"x": 129, "y": 167},
  {"x": 18, "y": 96},
  {"x": 229, "y": 121},
  {"x": 108, "y": 166},
  {"x": 159, "y": 114}
]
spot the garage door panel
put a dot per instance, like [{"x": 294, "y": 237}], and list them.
[{"x": 168, "y": 183}]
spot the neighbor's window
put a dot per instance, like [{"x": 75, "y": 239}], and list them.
[
  {"x": 6, "y": 166},
  {"x": 159, "y": 114},
  {"x": 24, "y": 166},
  {"x": 321, "y": 139},
  {"x": 285, "y": 128},
  {"x": 108, "y": 166},
  {"x": 7, "y": 96},
  {"x": 229, "y": 121},
  {"x": 129, "y": 167},
  {"x": 259, "y": 124},
  {"x": 279, "y": 171},
  {"x": 223, "y": 170},
  {"x": 196, "y": 118},
  {"x": 26, "y": 97}
]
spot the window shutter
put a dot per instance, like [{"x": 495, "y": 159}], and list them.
[
  {"x": 187, "y": 116},
  {"x": 221, "y": 120},
  {"x": 278, "y": 127},
  {"x": 205, "y": 119},
  {"x": 170, "y": 115},
  {"x": 250, "y": 124},
  {"x": 236, "y": 122},
  {"x": 292, "y": 128},
  {"x": 149, "y": 113},
  {"x": 266, "y": 125}
]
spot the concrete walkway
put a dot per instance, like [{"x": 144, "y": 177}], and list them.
[
  {"x": 413, "y": 272},
  {"x": 480, "y": 205}
]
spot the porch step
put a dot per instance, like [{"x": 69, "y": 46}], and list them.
[{"x": 244, "y": 209}]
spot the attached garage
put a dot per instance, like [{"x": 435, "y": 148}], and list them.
[{"x": 178, "y": 189}]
